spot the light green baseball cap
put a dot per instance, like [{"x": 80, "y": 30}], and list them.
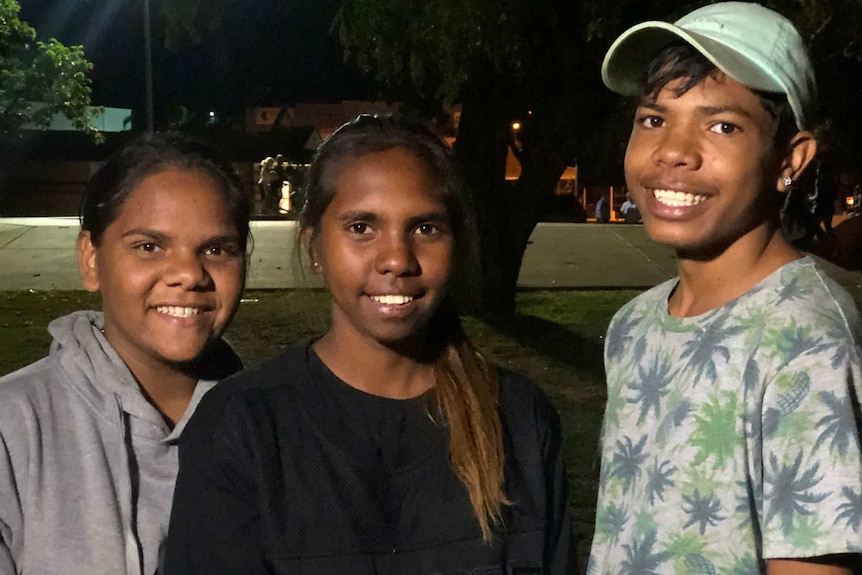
[{"x": 755, "y": 46}]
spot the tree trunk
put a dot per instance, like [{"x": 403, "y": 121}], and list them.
[
  {"x": 506, "y": 213},
  {"x": 481, "y": 153}
]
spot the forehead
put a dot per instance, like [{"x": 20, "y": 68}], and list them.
[
  {"x": 712, "y": 96},
  {"x": 394, "y": 177},
  {"x": 713, "y": 90},
  {"x": 177, "y": 198}
]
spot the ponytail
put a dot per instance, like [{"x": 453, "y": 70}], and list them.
[{"x": 467, "y": 390}]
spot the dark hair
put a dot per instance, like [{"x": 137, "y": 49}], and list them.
[
  {"x": 680, "y": 60},
  {"x": 114, "y": 182},
  {"x": 466, "y": 387}
]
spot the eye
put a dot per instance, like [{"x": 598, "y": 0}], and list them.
[
  {"x": 725, "y": 128},
  {"x": 651, "y": 121},
  {"x": 426, "y": 229},
  {"x": 223, "y": 250},
  {"x": 359, "y": 228},
  {"x": 148, "y": 247}
]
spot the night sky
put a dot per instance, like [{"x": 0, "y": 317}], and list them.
[{"x": 269, "y": 52}]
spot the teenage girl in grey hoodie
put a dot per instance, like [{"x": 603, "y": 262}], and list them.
[{"x": 88, "y": 454}]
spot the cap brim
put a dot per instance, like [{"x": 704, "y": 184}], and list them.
[{"x": 627, "y": 59}]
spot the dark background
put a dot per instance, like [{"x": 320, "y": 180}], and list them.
[{"x": 270, "y": 53}]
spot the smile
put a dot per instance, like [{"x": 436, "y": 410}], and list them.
[
  {"x": 676, "y": 199},
  {"x": 178, "y": 311},
  {"x": 392, "y": 299}
]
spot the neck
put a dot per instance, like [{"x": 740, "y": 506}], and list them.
[
  {"x": 375, "y": 368},
  {"x": 708, "y": 283}
]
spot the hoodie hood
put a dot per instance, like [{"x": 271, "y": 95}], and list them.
[
  {"x": 84, "y": 351},
  {"x": 104, "y": 380}
]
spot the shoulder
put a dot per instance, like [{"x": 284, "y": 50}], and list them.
[
  {"x": 29, "y": 384},
  {"x": 808, "y": 297},
  {"x": 249, "y": 393},
  {"x": 32, "y": 396}
]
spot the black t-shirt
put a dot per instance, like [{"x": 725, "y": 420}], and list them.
[
  {"x": 400, "y": 432},
  {"x": 287, "y": 469}
]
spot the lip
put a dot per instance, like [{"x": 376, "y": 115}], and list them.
[
  {"x": 181, "y": 313},
  {"x": 677, "y": 203},
  {"x": 391, "y": 308}
]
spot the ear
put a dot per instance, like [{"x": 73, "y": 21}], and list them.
[
  {"x": 307, "y": 238},
  {"x": 87, "y": 262},
  {"x": 800, "y": 152}
]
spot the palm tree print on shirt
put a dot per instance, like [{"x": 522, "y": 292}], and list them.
[
  {"x": 627, "y": 461},
  {"x": 850, "y": 511},
  {"x": 659, "y": 479},
  {"x": 791, "y": 341},
  {"x": 702, "y": 510},
  {"x": 839, "y": 425},
  {"x": 640, "y": 559},
  {"x": 791, "y": 493},
  {"x": 715, "y": 430},
  {"x": 651, "y": 387},
  {"x": 707, "y": 343}
]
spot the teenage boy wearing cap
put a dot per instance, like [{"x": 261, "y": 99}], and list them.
[{"x": 731, "y": 437}]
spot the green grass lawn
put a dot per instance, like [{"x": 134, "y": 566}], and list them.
[{"x": 556, "y": 338}]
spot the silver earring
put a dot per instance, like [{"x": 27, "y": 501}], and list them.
[{"x": 788, "y": 181}]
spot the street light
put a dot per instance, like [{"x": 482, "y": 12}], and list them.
[{"x": 148, "y": 66}]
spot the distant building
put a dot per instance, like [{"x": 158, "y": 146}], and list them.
[
  {"x": 324, "y": 117},
  {"x": 107, "y": 120},
  {"x": 43, "y": 170}
]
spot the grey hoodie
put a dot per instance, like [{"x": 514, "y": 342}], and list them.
[{"x": 87, "y": 465}]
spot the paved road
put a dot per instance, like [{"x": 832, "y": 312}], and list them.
[{"x": 39, "y": 254}]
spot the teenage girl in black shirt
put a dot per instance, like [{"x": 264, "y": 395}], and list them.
[{"x": 389, "y": 444}]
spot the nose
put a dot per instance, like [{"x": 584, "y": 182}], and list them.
[
  {"x": 678, "y": 148},
  {"x": 396, "y": 255},
  {"x": 185, "y": 269}
]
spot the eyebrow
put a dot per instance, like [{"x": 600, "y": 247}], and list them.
[
  {"x": 729, "y": 108},
  {"x": 429, "y": 217},
  {"x": 159, "y": 236},
  {"x": 652, "y": 104},
  {"x": 704, "y": 110},
  {"x": 145, "y": 232},
  {"x": 435, "y": 216},
  {"x": 358, "y": 215}
]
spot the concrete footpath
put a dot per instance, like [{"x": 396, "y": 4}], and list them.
[{"x": 39, "y": 254}]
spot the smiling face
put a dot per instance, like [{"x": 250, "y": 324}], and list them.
[
  {"x": 702, "y": 167},
  {"x": 385, "y": 248},
  {"x": 170, "y": 268}
]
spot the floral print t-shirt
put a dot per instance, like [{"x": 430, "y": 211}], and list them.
[{"x": 732, "y": 437}]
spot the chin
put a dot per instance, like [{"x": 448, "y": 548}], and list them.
[
  {"x": 675, "y": 236},
  {"x": 182, "y": 355},
  {"x": 409, "y": 339}
]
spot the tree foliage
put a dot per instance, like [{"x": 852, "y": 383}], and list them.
[
  {"x": 40, "y": 79},
  {"x": 193, "y": 20}
]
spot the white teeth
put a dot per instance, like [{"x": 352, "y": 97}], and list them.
[
  {"x": 392, "y": 299},
  {"x": 677, "y": 199},
  {"x": 177, "y": 311}
]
